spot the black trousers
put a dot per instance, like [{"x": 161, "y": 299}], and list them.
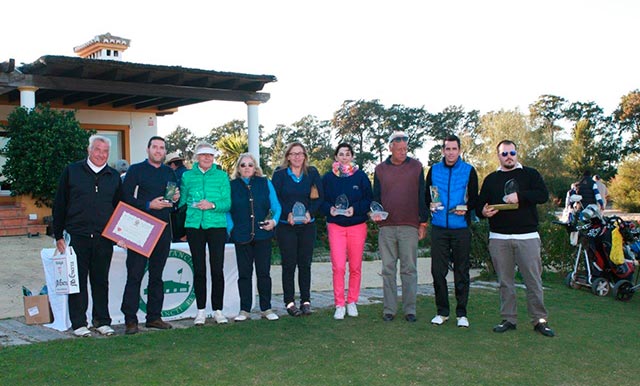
[
  {"x": 256, "y": 252},
  {"x": 198, "y": 240},
  {"x": 446, "y": 245},
  {"x": 296, "y": 248},
  {"x": 136, "y": 265},
  {"x": 94, "y": 260}
]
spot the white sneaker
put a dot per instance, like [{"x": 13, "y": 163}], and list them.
[
  {"x": 352, "y": 310},
  {"x": 200, "y": 319},
  {"x": 463, "y": 322},
  {"x": 270, "y": 315},
  {"x": 82, "y": 332},
  {"x": 242, "y": 316},
  {"x": 105, "y": 330},
  {"x": 339, "y": 314},
  {"x": 439, "y": 319},
  {"x": 219, "y": 317}
]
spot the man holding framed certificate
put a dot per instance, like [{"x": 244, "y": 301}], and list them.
[{"x": 145, "y": 187}]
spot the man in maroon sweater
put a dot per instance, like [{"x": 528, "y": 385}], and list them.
[{"x": 398, "y": 184}]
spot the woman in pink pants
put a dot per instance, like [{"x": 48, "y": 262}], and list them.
[{"x": 346, "y": 202}]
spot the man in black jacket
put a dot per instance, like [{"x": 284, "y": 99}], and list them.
[
  {"x": 87, "y": 194},
  {"x": 513, "y": 237}
]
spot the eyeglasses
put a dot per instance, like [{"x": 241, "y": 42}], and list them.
[
  {"x": 243, "y": 165},
  {"x": 297, "y": 154},
  {"x": 506, "y": 153},
  {"x": 400, "y": 139}
]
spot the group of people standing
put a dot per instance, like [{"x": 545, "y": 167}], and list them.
[{"x": 249, "y": 210}]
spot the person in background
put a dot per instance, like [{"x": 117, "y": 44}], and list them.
[
  {"x": 251, "y": 221},
  {"x": 296, "y": 181},
  {"x": 121, "y": 167},
  {"x": 87, "y": 194},
  {"x": 144, "y": 188},
  {"x": 398, "y": 184},
  {"x": 588, "y": 189},
  {"x": 457, "y": 184},
  {"x": 602, "y": 189},
  {"x": 206, "y": 192},
  {"x": 176, "y": 162},
  {"x": 347, "y": 232},
  {"x": 513, "y": 236},
  {"x": 179, "y": 213}
]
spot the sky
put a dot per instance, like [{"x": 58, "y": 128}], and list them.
[{"x": 485, "y": 55}]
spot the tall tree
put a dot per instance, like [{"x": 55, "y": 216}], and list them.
[
  {"x": 627, "y": 116},
  {"x": 545, "y": 112},
  {"x": 452, "y": 120},
  {"x": 415, "y": 122},
  {"x": 581, "y": 154},
  {"x": 181, "y": 139},
  {"x": 361, "y": 123},
  {"x": 235, "y": 126}
]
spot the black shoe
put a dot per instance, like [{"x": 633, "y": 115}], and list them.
[
  {"x": 505, "y": 325},
  {"x": 131, "y": 328},
  {"x": 159, "y": 324},
  {"x": 410, "y": 318},
  {"x": 388, "y": 317},
  {"x": 293, "y": 310},
  {"x": 543, "y": 328},
  {"x": 305, "y": 308}
]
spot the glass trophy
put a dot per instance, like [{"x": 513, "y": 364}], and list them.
[
  {"x": 196, "y": 197},
  {"x": 378, "y": 210},
  {"x": 436, "y": 204},
  {"x": 170, "y": 191},
  {"x": 341, "y": 205},
  {"x": 510, "y": 186},
  {"x": 299, "y": 213}
]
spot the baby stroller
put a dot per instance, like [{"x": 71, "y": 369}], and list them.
[{"x": 593, "y": 267}]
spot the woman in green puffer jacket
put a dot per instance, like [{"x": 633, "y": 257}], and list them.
[{"x": 206, "y": 191}]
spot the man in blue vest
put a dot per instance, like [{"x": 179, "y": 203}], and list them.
[{"x": 452, "y": 192}]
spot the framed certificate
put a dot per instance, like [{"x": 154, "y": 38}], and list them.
[{"x": 138, "y": 229}]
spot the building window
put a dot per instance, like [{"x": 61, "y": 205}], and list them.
[
  {"x": 108, "y": 52},
  {"x": 115, "y": 53}
]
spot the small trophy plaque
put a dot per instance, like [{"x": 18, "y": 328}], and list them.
[
  {"x": 299, "y": 213},
  {"x": 436, "y": 204},
  {"x": 341, "y": 205},
  {"x": 378, "y": 210},
  {"x": 170, "y": 191}
]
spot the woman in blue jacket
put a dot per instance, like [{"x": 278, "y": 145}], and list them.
[
  {"x": 347, "y": 229},
  {"x": 251, "y": 221},
  {"x": 297, "y": 184}
]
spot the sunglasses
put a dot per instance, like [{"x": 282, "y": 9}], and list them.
[
  {"x": 400, "y": 139},
  {"x": 243, "y": 165},
  {"x": 506, "y": 153}
]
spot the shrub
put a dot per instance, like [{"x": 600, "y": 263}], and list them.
[
  {"x": 42, "y": 142},
  {"x": 624, "y": 189}
]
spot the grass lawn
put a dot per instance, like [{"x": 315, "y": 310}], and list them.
[{"x": 597, "y": 342}]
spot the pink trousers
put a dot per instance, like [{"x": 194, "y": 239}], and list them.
[{"x": 346, "y": 244}]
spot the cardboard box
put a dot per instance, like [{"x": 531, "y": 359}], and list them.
[{"x": 37, "y": 309}]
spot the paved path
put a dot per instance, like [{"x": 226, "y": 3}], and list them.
[{"x": 22, "y": 256}]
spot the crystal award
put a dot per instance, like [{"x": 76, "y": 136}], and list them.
[
  {"x": 341, "y": 205},
  {"x": 299, "y": 213},
  {"x": 436, "y": 204},
  {"x": 510, "y": 186},
  {"x": 170, "y": 191},
  {"x": 378, "y": 210}
]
